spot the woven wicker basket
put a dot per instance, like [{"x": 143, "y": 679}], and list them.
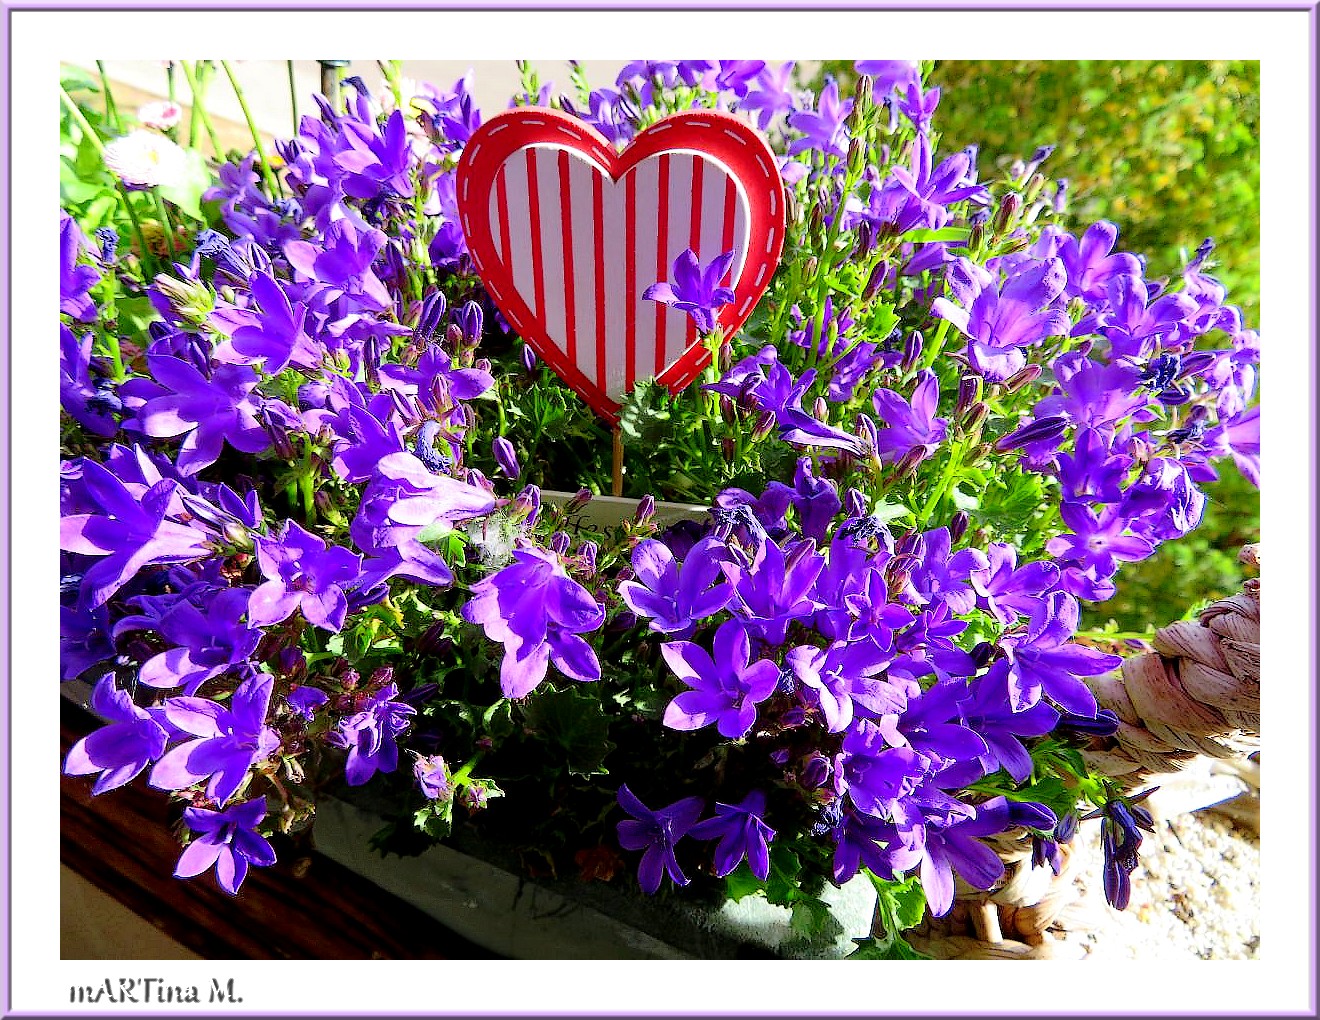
[{"x": 1197, "y": 694}]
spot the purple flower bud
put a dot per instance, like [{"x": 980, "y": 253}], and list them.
[
  {"x": 816, "y": 771},
  {"x": 430, "y": 318},
  {"x": 969, "y": 392},
  {"x": 865, "y": 238},
  {"x": 975, "y": 416},
  {"x": 1023, "y": 377},
  {"x": 729, "y": 449},
  {"x": 279, "y": 437},
  {"x": 1061, "y": 195},
  {"x": 559, "y": 542},
  {"x": 820, "y": 410},
  {"x": 645, "y": 509},
  {"x": 1039, "y": 431},
  {"x": 506, "y": 457},
  {"x": 580, "y": 499},
  {"x": 868, "y": 433},
  {"x": 587, "y": 553},
  {"x": 854, "y": 503},
  {"x": 912, "y": 350},
  {"x": 469, "y": 320},
  {"x": 725, "y": 360},
  {"x": 454, "y": 336},
  {"x": 527, "y": 504},
  {"x": 876, "y": 280},
  {"x": 1067, "y": 827},
  {"x": 474, "y": 797},
  {"x": 528, "y": 358},
  {"x": 1010, "y": 208},
  {"x": 907, "y": 465},
  {"x": 779, "y": 756},
  {"x": 764, "y": 424},
  {"x": 727, "y": 410},
  {"x": 982, "y": 653},
  {"x": 958, "y": 525}
]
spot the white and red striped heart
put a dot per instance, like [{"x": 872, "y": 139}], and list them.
[{"x": 566, "y": 234}]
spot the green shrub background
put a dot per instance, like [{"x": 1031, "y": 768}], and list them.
[{"x": 1169, "y": 151}]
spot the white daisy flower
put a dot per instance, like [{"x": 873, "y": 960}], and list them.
[{"x": 146, "y": 159}]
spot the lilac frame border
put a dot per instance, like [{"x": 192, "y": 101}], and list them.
[{"x": 6, "y": 421}]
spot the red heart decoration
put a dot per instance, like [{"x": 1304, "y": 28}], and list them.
[{"x": 566, "y": 234}]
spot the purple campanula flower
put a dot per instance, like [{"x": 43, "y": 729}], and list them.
[
  {"x": 877, "y": 774},
  {"x": 1007, "y": 591},
  {"x": 536, "y": 611},
  {"x": 1091, "y": 262},
  {"x": 922, "y": 195},
  {"x": 953, "y": 846},
  {"x": 939, "y": 575},
  {"x": 302, "y": 574},
  {"x": 918, "y": 106},
  {"x": 1239, "y": 436},
  {"x": 775, "y": 588},
  {"x": 436, "y": 364},
  {"x": 342, "y": 265},
  {"x": 1136, "y": 326},
  {"x": 1046, "y": 663},
  {"x": 84, "y": 635},
  {"x": 910, "y": 427},
  {"x": 1120, "y": 839},
  {"x": 770, "y": 94},
  {"x": 1092, "y": 472},
  {"x": 890, "y": 74},
  {"x": 999, "y": 320},
  {"x": 278, "y": 333},
  {"x": 656, "y": 832},
  {"x": 989, "y": 711},
  {"x": 674, "y": 596},
  {"x": 75, "y": 280},
  {"x": 824, "y": 128},
  {"x": 736, "y": 76},
  {"x": 178, "y": 401},
  {"x": 426, "y": 497},
  {"x": 205, "y": 644},
  {"x": 695, "y": 290},
  {"x": 376, "y": 161},
  {"x": 132, "y": 739},
  {"x": 862, "y": 839},
  {"x": 924, "y": 724},
  {"x": 838, "y": 678},
  {"x": 433, "y": 776},
  {"x": 726, "y": 686},
  {"x": 815, "y": 499},
  {"x": 742, "y": 834},
  {"x": 1093, "y": 393},
  {"x": 305, "y": 701},
  {"x": 371, "y": 735},
  {"x": 227, "y": 742},
  {"x": 229, "y": 840},
  {"x": 91, "y": 402},
  {"x": 131, "y": 533},
  {"x": 1097, "y": 540}
]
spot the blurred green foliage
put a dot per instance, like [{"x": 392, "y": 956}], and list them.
[{"x": 1168, "y": 150}]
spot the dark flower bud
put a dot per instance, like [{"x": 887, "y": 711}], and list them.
[
  {"x": 506, "y": 457},
  {"x": 811, "y": 267},
  {"x": 1104, "y": 724},
  {"x": 1022, "y": 377},
  {"x": 764, "y": 424},
  {"x": 907, "y": 465},
  {"x": 912, "y": 347},
  {"x": 279, "y": 437},
  {"x": 975, "y": 417},
  {"x": 976, "y": 237},
  {"x": 474, "y": 797},
  {"x": 876, "y": 280},
  {"x": 559, "y": 542},
  {"x": 983, "y": 653},
  {"x": 382, "y": 677},
  {"x": 862, "y": 93},
  {"x": 725, "y": 360},
  {"x": 645, "y": 509},
  {"x": 470, "y": 319},
  {"x": 430, "y": 318},
  {"x": 435, "y": 640},
  {"x": 969, "y": 392},
  {"x": 454, "y": 336},
  {"x": 817, "y": 770},
  {"x": 1010, "y": 208},
  {"x": 958, "y": 525},
  {"x": 816, "y": 224},
  {"x": 1034, "y": 187},
  {"x": 854, "y": 503},
  {"x": 779, "y": 756},
  {"x": 865, "y": 239},
  {"x": 1066, "y": 828},
  {"x": 580, "y": 499},
  {"x": 1196, "y": 363},
  {"x": 727, "y": 410},
  {"x": 587, "y": 553},
  {"x": 109, "y": 238},
  {"x": 291, "y": 663},
  {"x": 349, "y": 680},
  {"x": 1038, "y": 431},
  {"x": 729, "y": 448}
]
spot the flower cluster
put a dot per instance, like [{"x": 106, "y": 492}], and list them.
[{"x": 303, "y": 525}]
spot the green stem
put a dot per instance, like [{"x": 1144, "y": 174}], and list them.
[
  {"x": 90, "y": 134},
  {"x": 951, "y": 469},
  {"x": 169, "y": 80},
  {"x": 267, "y": 171},
  {"x": 197, "y": 87},
  {"x": 1117, "y": 635},
  {"x": 111, "y": 111},
  {"x": 293, "y": 97},
  {"x": 166, "y": 224}
]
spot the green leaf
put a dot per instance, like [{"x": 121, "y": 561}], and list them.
[
  {"x": 873, "y": 949},
  {"x": 902, "y": 904},
  {"x": 644, "y": 417},
  {"x": 741, "y": 883},
  {"x": 781, "y": 886},
  {"x": 574, "y": 720},
  {"x": 186, "y": 193},
  {"x": 812, "y": 921}
]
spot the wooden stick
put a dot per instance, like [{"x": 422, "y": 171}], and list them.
[{"x": 618, "y": 461}]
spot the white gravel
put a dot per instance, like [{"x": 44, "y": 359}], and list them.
[{"x": 1195, "y": 895}]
